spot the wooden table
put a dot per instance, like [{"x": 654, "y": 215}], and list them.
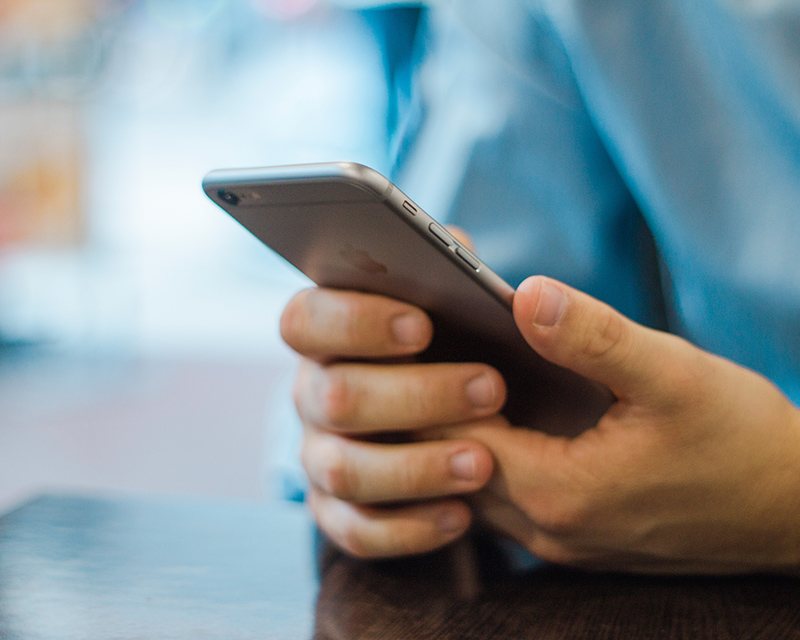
[{"x": 92, "y": 568}]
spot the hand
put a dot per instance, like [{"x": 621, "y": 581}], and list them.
[
  {"x": 357, "y": 380},
  {"x": 696, "y": 467}
]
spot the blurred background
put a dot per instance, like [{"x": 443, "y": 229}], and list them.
[{"x": 139, "y": 348}]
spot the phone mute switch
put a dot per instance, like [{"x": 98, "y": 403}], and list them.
[
  {"x": 409, "y": 207},
  {"x": 467, "y": 257}
]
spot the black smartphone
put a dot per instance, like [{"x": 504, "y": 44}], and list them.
[{"x": 346, "y": 226}]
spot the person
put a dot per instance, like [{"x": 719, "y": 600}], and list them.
[{"x": 646, "y": 157}]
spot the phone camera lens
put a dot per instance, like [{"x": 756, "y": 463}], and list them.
[{"x": 227, "y": 196}]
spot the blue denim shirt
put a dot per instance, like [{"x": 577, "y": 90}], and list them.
[{"x": 645, "y": 151}]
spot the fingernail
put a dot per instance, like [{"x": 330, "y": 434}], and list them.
[
  {"x": 462, "y": 465},
  {"x": 481, "y": 391},
  {"x": 452, "y": 521},
  {"x": 408, "y": 330},
  {"x": 551, "y": 307}
]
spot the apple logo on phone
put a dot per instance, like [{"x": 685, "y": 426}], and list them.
[{"x": 362, "y": 260}]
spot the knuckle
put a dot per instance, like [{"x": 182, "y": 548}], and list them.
[
  {"x": 436, "y": 394},
  {"x": 298, "y": 394},
  {"x": 342, "y": 527},
  {"x": 352, "y": 316},
  {"x": 292, "y": 325},
  {"x": 337, "y": 476},
  {"x": 411, "y": 479},
  {"x": 384, "y": 539},
  {"x": 347, "y": 319},
  {"x": 328, "y": 467},
  {"x": 324, "y": 395},
  {"x": 307, "y": 459},
  {"x": 606, "y": 335},
  {"x": 353, "y": 542},
  {"x": 338, "y": 404},
  {"x": 419, "y": 395}
]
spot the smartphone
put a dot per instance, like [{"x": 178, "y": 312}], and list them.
[{"x": 346, "y": 226}]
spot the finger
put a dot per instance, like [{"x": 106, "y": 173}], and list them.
[
  {"x": 325, "y": 323},
  {"x": 372, "y": 532},
  {"x": 367, "y": 472},
  {"x": 549, "y": 478},
  {"x": 587, "y": 336},
  {"x": 369, "y": 398}
]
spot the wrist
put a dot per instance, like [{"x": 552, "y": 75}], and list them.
[
  {"x": 774, "y": 496},
  {"x": 793, "y": 471}
]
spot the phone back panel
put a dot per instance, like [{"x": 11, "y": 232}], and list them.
[{"x": 345, "y": 226}]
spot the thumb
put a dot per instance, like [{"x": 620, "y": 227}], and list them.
[{"x": 587, "y": 336}]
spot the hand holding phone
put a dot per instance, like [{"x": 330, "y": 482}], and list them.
[
  {"x": 347, "y": 227},
  {"x": 687, "y": 473}
]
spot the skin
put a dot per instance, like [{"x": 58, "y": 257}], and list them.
[{"x": 694, "y": 469}]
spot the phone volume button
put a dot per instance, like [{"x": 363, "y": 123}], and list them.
[
  {"x": 467, "y": 257},
  {"x": 440, "y": 234}
]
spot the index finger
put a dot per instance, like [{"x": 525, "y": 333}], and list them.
[{"x": 330, "y": 324}]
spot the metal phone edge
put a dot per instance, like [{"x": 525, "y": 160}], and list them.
[
  {"x": 377, "y": 185},
  {"x": 354, "y": 173},
  {"x": 496, "y": 286}
]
